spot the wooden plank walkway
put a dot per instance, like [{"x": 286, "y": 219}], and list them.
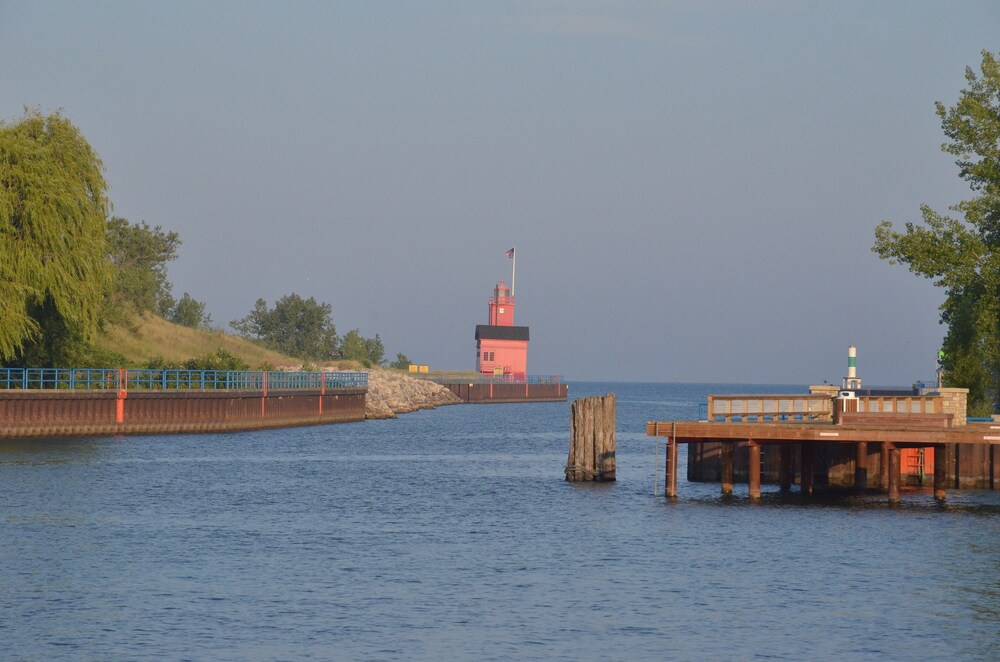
[{"x": 891, "y": 432}]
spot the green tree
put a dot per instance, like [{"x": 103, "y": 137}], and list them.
[
  {"x": 139, "y": 255},
  {"x": 190, "y": 312},
  {"x": 402, "y": 362},
  {"x": 375, "y": 350},
  {"x": 299, "y": 327},
  {"x": 369, "y": 351},
  {"x": 53, "y": 267},
  {"x": 353, "y": 347},
  {"x": 963, "y": 255}
]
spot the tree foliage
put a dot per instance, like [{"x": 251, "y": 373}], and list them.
[
  {"x": 353, "y": 346},
  {"x": 139, "y": 255},
  {"x": 402, "y": 362},
  {"x": 299, "y": 327},
  {"x": 220, "y": 360},
  {"x": 963, "y": 255},
  {"x": 188, "y": 311},
  {"x": 375, "y": 350},
  {"x": 53, "y": 267},
  {"x": 369, "y": 351}
]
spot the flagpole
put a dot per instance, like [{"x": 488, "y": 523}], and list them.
[{"x": 513, "y": 270}]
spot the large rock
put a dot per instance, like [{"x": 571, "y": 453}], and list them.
[{"x": 390, "y": 393}]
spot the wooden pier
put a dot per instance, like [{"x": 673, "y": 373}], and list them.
[{"x": 802, "y": 425}]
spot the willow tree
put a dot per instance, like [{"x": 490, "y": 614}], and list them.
[
  {"x": 963, "y": 254},
  {"x": 53, "y": 261}
]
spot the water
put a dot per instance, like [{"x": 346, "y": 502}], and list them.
[{"x": 450, "y": 534}]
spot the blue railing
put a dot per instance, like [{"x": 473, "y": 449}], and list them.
[
  {"x": 466, "y": 378},
  {"x": 194, "y": 380}
]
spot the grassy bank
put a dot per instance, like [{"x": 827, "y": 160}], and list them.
[{"x": 150, "y": 337}]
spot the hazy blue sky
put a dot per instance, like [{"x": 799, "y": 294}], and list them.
[{"x": 692, "y": 186}]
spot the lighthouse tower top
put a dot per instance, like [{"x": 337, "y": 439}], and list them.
[{"x": 501, "y": 306}]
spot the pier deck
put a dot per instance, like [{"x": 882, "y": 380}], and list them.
[{"x": 892, "y": 433}]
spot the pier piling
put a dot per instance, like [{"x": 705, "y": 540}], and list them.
[
  {"x": 754, "y": 478},
  {"x": 942, "y": 453},
  {"x": 786, "y": 468},
  {"x": 894, "y": 473},
  {"x": 861, "y": 466},
  {"x": 670, "y": 490},
  {"x": 592, "y": 439},
  {"x": 808, "y": 469},
  {"x": 728, "y": 450}
]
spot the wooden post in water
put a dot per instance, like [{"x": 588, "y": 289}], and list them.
[
  {"x": 883, "y": 467},
  {"x": 861, "y": 466},
  {"x": 670, "y": 484},
  {"x": 754, "y": 470},
  {"x": 786, "y": 468},
  {"x": 941, "y": 457},
  {"x": 894, "y": 473},
  {"x": 727, "y": 450},
  {"x": 592, "y": 439},
  {"x": 807, "y": 458}
]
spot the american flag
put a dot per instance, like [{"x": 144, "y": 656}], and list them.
[{"x": 510, "y": 253}]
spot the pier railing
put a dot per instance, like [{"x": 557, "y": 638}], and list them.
[
  {"x": 768, "y": 408},
  {"x": 193, "y": 380},
  {"x": 818, "y": 407},
  {"x": 899, "y": 404},
  {"x": 466, "y": 378}
]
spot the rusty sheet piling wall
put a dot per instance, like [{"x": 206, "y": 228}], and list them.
[
  {"x": 63, "y": 412},
  {"x": 486, "y": 393},
  {"x": 592, "y": 439}
]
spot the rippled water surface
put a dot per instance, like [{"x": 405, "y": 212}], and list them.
[{"x": 451, "y": 534}]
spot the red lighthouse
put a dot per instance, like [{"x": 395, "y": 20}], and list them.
[{"x": 501, "y": 347}]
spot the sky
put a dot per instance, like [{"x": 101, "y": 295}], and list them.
[{"x": 692, "y": 187}]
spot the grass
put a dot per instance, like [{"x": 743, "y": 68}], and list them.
[{"x": 150, "y": 337}]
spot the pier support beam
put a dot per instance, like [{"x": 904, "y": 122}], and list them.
[
  {"x": 785, "y": 469},
  {"x": 670, "y": 481},
  {"x": 726, "y": 457},
  {"x": 883, "y": 467},
  {"x": 861, "y": 467},
  {"x": 807, "y": 451},
  {"x": 942, "y": 454},
  {"x": 894, "y": 474},
  {"x": 754, "y": 470}
]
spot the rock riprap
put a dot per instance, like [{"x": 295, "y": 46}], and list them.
[{"x": 390, "y": 393}]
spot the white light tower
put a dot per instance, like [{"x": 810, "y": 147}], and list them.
[{"x": 852, "y": 382}]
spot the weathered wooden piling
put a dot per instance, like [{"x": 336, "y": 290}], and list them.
[
  {"x": 861, "y": 466},
  {"x": 785, "y": 475},
  {"x": 728, "y": 450},
  {"x": 754, "y": 477},
  {"x": 592, "y": 439},
  {"x": 942, "y": 454}
]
